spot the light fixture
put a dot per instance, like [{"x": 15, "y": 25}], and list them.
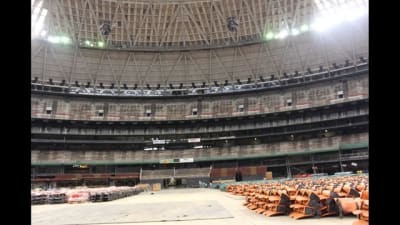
[
  {"x": 334, "y": 13},
  {"x": 304, "y": 28},
  {"x": 232, "y": 24},
  {"x": 38, "y": 16},
  {"x": 54, "y": 39},
  {"x": 295, "y": 32},
  {"x": 65, "y": 40},
  {"x": 282, "y": 34},
  {"x": 269, "y": 36},
  {"x": 105, "y": 28}
]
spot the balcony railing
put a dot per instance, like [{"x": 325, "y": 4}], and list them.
[{"x": 288, "y": 80}]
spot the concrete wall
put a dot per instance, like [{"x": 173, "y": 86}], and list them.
[
  {"x": 157, "y": 174},
  {"x": 152, "y": 181},
  {"x": 139, "y": 157},
  {"x": 194, "y": 182},
  {"x": 307, "y": 96},
  {"x": 244, "y": 178}
]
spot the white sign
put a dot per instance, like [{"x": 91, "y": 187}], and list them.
[
  {"x": 194, "y": 140},
  {"x": 158, "y": 142},
  {"x": 186, "y": 160}
]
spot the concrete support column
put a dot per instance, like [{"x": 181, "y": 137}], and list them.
[
  {"x": 340, "y": 161},
  {"x": 289, "y": 172}
]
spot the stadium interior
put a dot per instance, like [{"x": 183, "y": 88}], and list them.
[{"x": 264, "y": 101}]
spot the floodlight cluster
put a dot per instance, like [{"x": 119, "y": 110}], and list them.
[
  {"x": 59, "y": 39},
  {"x": 333, "y": 13},
  {"x": 330, "y": 14},
  {"x": 38, "y": 16},
  {"x": 286, "y": 32}
]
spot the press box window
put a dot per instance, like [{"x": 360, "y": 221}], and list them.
[
  {"x": 49, "y": 110},
  {"x": 241, "y": 108},
  {"x": 194, "y": 112},
  {"x": 100, "y": 112},
  {"x": 340, "y": 94},
  {"x": 148, "y": 112},
  {"x": 289, "y": 102}
]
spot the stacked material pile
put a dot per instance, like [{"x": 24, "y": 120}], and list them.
[
  {"x": 38, "y": 197},
  {"x": 111, "y": 193},
  {"x": 309, "y": 197},
  {"x": 82, "y": 194}
]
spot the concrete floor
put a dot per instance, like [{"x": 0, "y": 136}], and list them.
[{"x": 175, "y": 206}]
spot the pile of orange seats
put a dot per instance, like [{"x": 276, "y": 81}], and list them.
[
  {"x": 309, "y": 197},
  {"x": 363, "y": 210}
]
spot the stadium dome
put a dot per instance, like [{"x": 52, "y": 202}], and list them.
[{"x": 174, "y": 42}]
